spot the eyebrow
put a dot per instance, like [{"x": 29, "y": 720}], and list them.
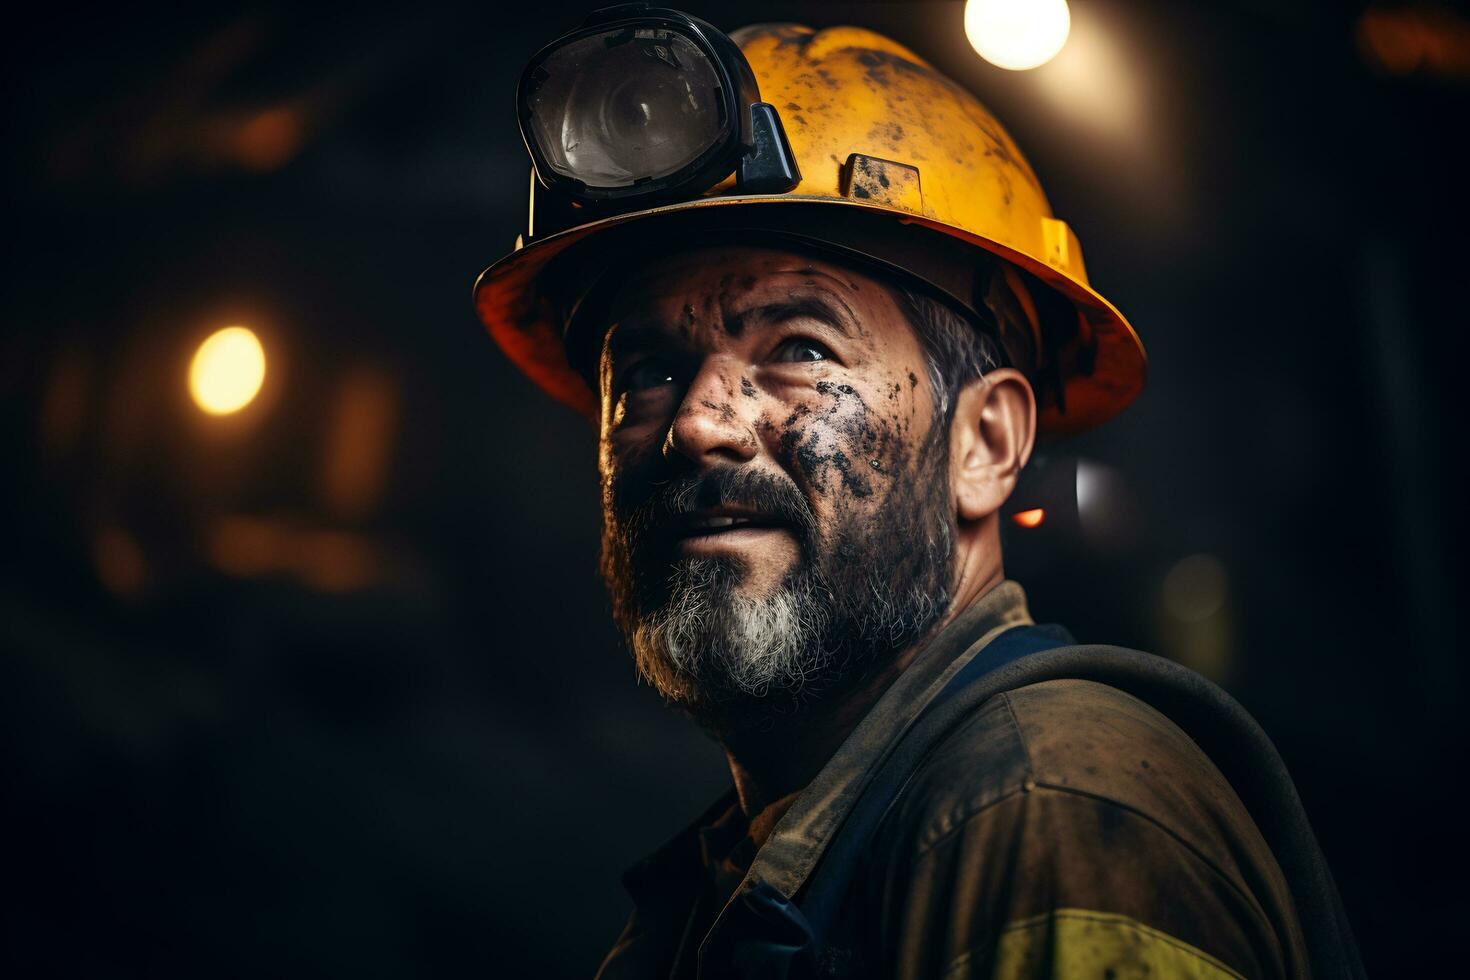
[
  {"x": 813, "y": 307},
  {"x": 637, "y": 334}
]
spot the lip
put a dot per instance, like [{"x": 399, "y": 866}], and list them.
[
  {"x": 717, "y": 521},
  {"x": 732, "y": 538}
]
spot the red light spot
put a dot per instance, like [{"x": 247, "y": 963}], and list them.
[{"x": 1029, "y": 518}]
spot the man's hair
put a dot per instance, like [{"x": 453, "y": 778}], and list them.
[{"x": 956, "y": 349}]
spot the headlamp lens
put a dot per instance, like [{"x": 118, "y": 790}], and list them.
[{"x": 627, "y": 105}]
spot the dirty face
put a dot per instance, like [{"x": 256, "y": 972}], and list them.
[{"x": 777, "y": 519}]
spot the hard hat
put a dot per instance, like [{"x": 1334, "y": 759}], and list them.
[{"x": 839, "y": 138}]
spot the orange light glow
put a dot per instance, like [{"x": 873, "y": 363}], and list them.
[
  {"x": 325, "y": 560},
  {"x": 1404, "y": 41},
  {"x": 269, "y": 139},
  {"x": 227, "y": 371},
  {"x": 120, "y": 563},
  {"x": 1029, "y": 518},
  {"x": 359, "y": 444}
]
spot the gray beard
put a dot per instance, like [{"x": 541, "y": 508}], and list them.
[
  {"x": 729, "y": 659},
  {"x": 709, "y": 638},
  {"x": 861, "y": 590},
  {"x": 723, "y": 656}
]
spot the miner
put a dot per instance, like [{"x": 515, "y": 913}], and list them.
[{"x": 813, "y": 297}]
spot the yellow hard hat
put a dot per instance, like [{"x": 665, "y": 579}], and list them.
[{"x": 892, "y": 161}]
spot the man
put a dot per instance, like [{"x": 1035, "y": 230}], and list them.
[{"x": 814, "y": 400}]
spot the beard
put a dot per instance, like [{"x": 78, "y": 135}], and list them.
[{"x": 868, "y": 585}]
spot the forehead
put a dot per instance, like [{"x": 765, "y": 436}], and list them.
[{"x": 711, "y": 279}]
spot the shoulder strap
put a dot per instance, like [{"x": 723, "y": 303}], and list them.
[
  {"x": 786, "y": 939},
  {"x": 965, "y": 691}
]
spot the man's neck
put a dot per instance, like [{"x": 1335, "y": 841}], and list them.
[{"x": 773, "y": 759}]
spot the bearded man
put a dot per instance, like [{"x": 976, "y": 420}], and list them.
[{"x": 809, "y": 421}]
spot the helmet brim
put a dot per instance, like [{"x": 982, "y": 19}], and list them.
[{"x": 526, "y": 298}]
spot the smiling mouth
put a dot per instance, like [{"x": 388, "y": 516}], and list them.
[
  {"x": 705, "y": 525},
  {"x": 713, "y": 525}
]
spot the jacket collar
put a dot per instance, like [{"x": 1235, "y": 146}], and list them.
[{"x": 800, "y": 837}]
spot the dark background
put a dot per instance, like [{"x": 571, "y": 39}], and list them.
[{"x": 328, "y": 687}]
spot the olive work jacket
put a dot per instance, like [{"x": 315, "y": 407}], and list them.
[{"x": 1063, "y": 828}]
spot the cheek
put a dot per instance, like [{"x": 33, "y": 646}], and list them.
[
  {"x": 635, "y": 412},
  {"x": 638, "y": 422},
  {"x": 845, "y": 446},
  {"x": 627, "y": 461}
]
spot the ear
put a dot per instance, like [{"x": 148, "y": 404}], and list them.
[{"x": 991, "y": 438}]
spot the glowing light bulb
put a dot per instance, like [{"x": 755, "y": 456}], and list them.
[
  {"x": 1017, "y": 34},
  {"x": 1029, "y": 518},
  {"x": 227, "y": 371}
]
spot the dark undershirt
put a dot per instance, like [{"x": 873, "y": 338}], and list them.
[{"x": 727, "y": 849}]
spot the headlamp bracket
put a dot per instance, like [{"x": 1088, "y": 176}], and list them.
[{"x": 768, "y": 166}]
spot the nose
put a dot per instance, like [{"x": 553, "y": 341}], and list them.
[{"x": 709, "y": 429}]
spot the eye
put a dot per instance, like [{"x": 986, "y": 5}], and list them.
[
  {"x": 647, "y": 374},
  {"x": 800, "y": 350}
]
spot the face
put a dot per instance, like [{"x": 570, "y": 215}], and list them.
[{"x": 777, "y": 520}]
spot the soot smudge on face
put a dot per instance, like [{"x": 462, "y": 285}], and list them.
[
  {"x": 846, "y": 438},
  {"x": 726, "y": 410},
  {"x": 686, "y": 322},
  {"x": 800, "y": 411},
  {"x": 733, "y": 286}
]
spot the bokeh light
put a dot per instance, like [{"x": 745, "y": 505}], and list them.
[
  {"x": 1195, "y": 588},
  {"x": 227, "y": 371},
  {"x": 1196, "y": 626},
  {"x": 1029, "y": 518},
  {"x": 1017, "y": 34}
]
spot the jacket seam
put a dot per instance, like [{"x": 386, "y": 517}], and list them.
[
  {"x": 1244, "y": 895},
  {"x": 1028, "y": 776},
  {"x": 1020, "y": 733}
]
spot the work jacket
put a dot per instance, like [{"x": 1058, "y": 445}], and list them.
[{"x": 1057, "y": 828}]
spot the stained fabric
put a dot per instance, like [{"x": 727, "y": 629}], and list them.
[
  {"x": 1063, "y": 794},
  {"x": 1072, "y": 795}
]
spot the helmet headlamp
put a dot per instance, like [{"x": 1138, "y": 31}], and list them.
[{"x": 649, "y": 103}]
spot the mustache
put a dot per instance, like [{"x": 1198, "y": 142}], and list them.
[{"x": 662, "y": 509}]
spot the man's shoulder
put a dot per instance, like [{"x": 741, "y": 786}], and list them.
[
  {"x": 1072, "y": 800},
  {"x": 1074, "y": 738}
]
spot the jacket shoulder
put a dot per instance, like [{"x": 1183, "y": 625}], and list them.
[
  {"x": 1079, "y": 738},
  {"x": 1070, "y": 797}
]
